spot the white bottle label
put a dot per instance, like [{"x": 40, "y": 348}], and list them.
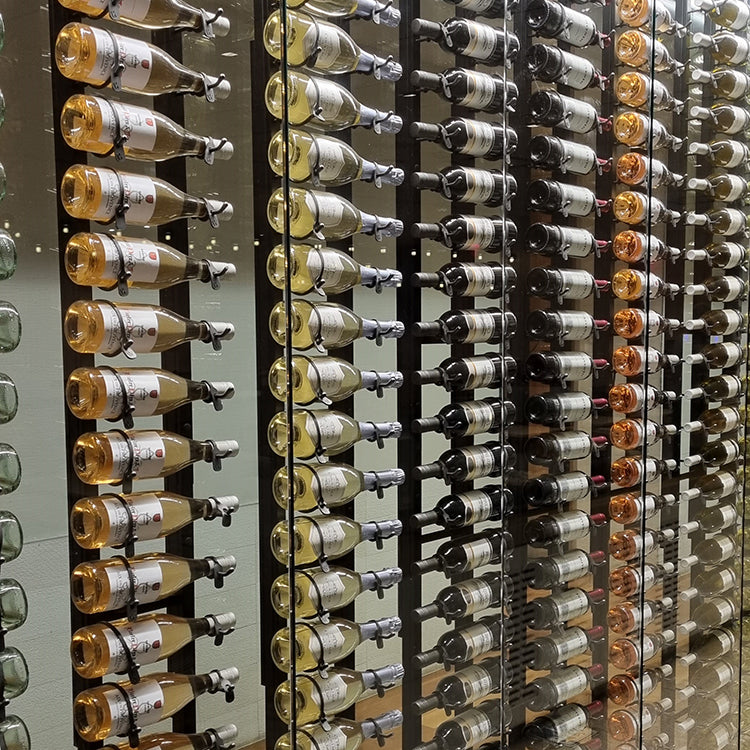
[
  {"x": 330, "y": 588},
  {"x": 332, "y": 482},
  {"x": 723, "y": 672},
  {"x": 579, "y": 30},
  {"x": 737, "y": 188},
  {"x": 148, "y": 581},
  {"x": 480, "y": 279},
  {"x": 571, "y": 565},
  {"x": 572, "y": 446},
  {"x": 577, "y": 201},
  {"x": 569, "y": 682},
  {"x": 580, "y": 117},
  {"x": 330, "y": 637},
  {"x": 324, "y": 39},
  {"x": 737, "y": 221},
  {"x": 575, "y": 325},
  {"x": 325, "y": 100},
  {"x": 480, "y": 138},
  {"x": 481, "y": 327},
  {"x": 478, "y": 553},
  {"x": 578, "y": 73},
  {"x": 480, "y": 233},
  {"x": 480, "y": 185},
  {"x": 736, "y": 253},
  {"x": 480, "y": 462},
  {"x": 573, "y": 487},
  {"x": 476, "y": 5},
  {"x": 572, "y": 642},
  {"x": 482, "y": 372},
  {"x": 141, "y": 259},
  {"x": 576, "y": 284},
  {"x": 325, "y": 376},
  {"x": 146, "y": 513},
  {"x": 326, "y": 426},
  {"x": 135, "y": 10},
  {"x": 742, "y": 16},
  {"x": 577, "y": 158},
  {"x": 324, "y": 265},
  {"x": 477, "y": 595},
  {"x": 735, "y": 289},
  {"x": 476, "y": 681},
  {"x": 137, "y": 124},
  {"x": 480, "y": 91},
  {"x": 575, "y": 366},
  {"x": 142, "y": 392},
  {"x": 481, "y": 416},
  {"x": 479, "y": 640},
  {"x": 331, "y": 693},
  {"x": 570, "y": 604},
  {"x": 327, "y": 537},
  {"x": 146, "y": 701},
  {"x": 135, "y": 56},
  {"x": 478, "y": 504},
  {"x": 571, "y": 525},
  {"x": 482, "y": 42},
  {"x": 143, "y": 639},
  {"x": 327, "y": 209},
  {"x": 740, "y": 84},
  {"x": 138, "y": 191},
  {"x": 575, "y": 406},
  {"x": 567, "y": 721},
  {"x": 328, "y": 325},
  {"x": 576, "y": 243},
  {"x": 327, "y": 159},
  {"x": 333, "y": 739},
  {"x": 148, "y": 455},
  {"x": 475, "y": 726},
  {"x": 733, "y": 354},
  {"x": 662, "y": 97}
]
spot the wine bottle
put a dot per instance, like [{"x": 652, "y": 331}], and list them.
[
  {"x": 320, "y": 644},
  {"x": 562, "y": 488},
  {"x": 713, "y": 613},
  {"x": 553, "y": 448},
  {"x": 727, "y": 188},
  {"x": 85, "y": 53},
  {"x": 553, "y": 21},
  {"x": 716, "y": 549},
  {"x": 632, "y": 247},
  {"x": 552, "y": 153},
  {"x": 640, "y": 13},
  {"x": 560, "y": 528},
  {"x": 724, "y": 83},
  {"x": 468, "y": 418},
  {"x": 557, "y": 570},
  {"x": 720, "y": 289},
  {"x": 562, "y": 723},
  {"x": 105, "y": 195},
  {"x": 156, "y": 14},
  {"x": 638, "y": 50},
  {"x": 464, "y": 598},
  {"x": 627, "y": 688},
  {"x": 561, "y": 326},
  {"x": 114, "y": 647},
  {"x": 329, "y": 485},
  {"x": 322, "y": 47},
  {"x": 714, "y": 486},
  {"x": 628, "y": 617},
  {"x": 635, "y": 169},
  {"x": 550, "y": 650},
  {"x": 491, "y": 280},
  {"x": 630, "y": 285},
  {"x": 636, "y": 208},
  {"x": 454, "y": 559},
  {"x": 103, "y": 327},
  {"x": 634, "y": 360},
  {"x": 632, "y": 322},
  {"x": 719, "y": 388},
  {"x": 725, "y": 154},
  {"x": 325, "y": 271},
  {"x": 323, "y": 160},
  {"x": 712, "y": 582},
  {"x": 491, "y": 503},
  {"x": 469, "y": 373},
  {"x": 561, "y": 367},
  {"x": 469, "y": 728},
  {"x": 561, "y": 408},
  {"x": 472, "y": 89},
  {"x": 458, "y": 647},
  {"x": 637, "y": 129},
  {"x": 636, "y": 89},
  {"x": 563, "y": 283},
  {"x": 104, "y": 711},
  {"x": 468, "y": 38},
  {"x": 720, "y": 254},
  {"x": 325, "y": 216},
  {"x": 468, "y": 464},
  {"x": 102, "y": 126},
  {"x": 718, "y": 356},
  {"x": 632, "y": 397},
  {"x": 109, "y": 393},
  {"x": 624, "y": 724},
  {"x": 341, "y": 10},
  {"x": 715, "y": 643},
  {"x": 570, "y": 200},
  {"x": 105, "y": 585},
  {"x": 567, "y": 242},
  {"x": 631, "y": 507},
  {"x": 221, "y": 738},
  {"x": 629, "y": 471},
  {"x": 550, "y": 109},
  {"x": 116, "y": 456},
  {"x": 347, "y": 733},
  {"x": 720, "y": 453},
  {"x": 317, "y": 592},
  {"x": 725, "y": 118},
  {"x": 324, "y": 433},
  {"x": 468, "y": 185},
  {"x": 469, "y": 232},
  {"x": 630, "y": 544},
  {"x": 547, "y": 612},
  {"x": 325, "y": 105},
  {"x": 731, "y": 14},
  {"x": 716, "y": 421},
  {"x": 327, "y": 325},
  {"x": 327, "y": 379},
  {"x": 553, "y": 65},
  {"x": 486, "y": 8},
  {"x": 626, "y": 654},
  {"x": 544, "y": 693},
  {"x": 113, "y": 520},
  {"x": 628, "y": 434},
  {"x": 488, "y": 325},
  {"x": 460, "y": 135}
]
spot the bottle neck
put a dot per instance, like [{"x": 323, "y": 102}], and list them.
[{"x": 199, "y": 626}]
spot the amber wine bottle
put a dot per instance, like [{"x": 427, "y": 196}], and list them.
[
  {"x": 637, "y": 129},
  {"x": 372, "y": 10},
  {"x": 326, "y": 325},
  {"x": 221, "y": 738},
  {"x": 342, "y": 734},
  {"x": 318, "y": 644},
  {"x": 114, "y": 456},
  {"x": 327, "y": 379},
  {"x": 106, "y": 648},
  {"x": 317, "y": 433},
  {"x": 317, "y": 591},
  {"x": 104, "y": 195},
  {"x": 637, "y": 13},
  {"x": 636, "y": 89},
  {"x": 86, "y": 54},
  {"x": 154, "y": 14},
  {"x": 102, "y": 126},
  {"x": 112, "y": 520},
  {"x": 110, "y": 262},
  {"x": 636, "y": 208},
  {"x": 330, "y": 485},
  {"x": 314, "y": 697},
  {"x": 101, "y": 327},
  {"x": 637, "y": 49},
  {"x": 104, "y": 585},
  {"x": 103, "y": 711}
]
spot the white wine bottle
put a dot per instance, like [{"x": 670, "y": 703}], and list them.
[
  {"x": 322, "y": 47},
  {"x": 105, "y": 585},
  {"x": 87, "y": 54},
  {"x": 112, "y": 520},
  {"x": 221, "y": 738},
  {"x": 321, "y": 539},
  {"x": 102, "y": 126},
  {"x": 104, "y": 711},
  {"x": 109, "y": 328},
  {"x": 329, "y": 485},
  {"x": 111, "y": 393},
  {"x": 326, "y": 216},
  {"x": 342, "y": 734},
  {"x": 327, "y": 379},
  {"x": 326, "y": 325},
  {"x": 154, "y": 14},
  {"x": 314, "y": 697},
  {"x": 323, "y": 160},
  {"x": 325, "y": 433},
  {"x": 317, "y": 592},
  {"x": 115, "y": 647},
  {"x": 115, "y": 456},
  {"x": 320, "y": 644},
  {"x": 324, "y": 104},
  {"x": 105, "y": 195},
  {"x": 112, "y": 262},
  {"x": 372, "y": 10},
  {"x": 325, "y": 271}
]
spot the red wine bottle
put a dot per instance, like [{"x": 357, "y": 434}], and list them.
[
  {"x": 469, "y": 88},
  {"x": 468, "y": 185},
  {"x": 468, "y": 232},
  {"x": 468, "y": 418},
  {"x": 459, "y": 135},
  {"x": 491, "y": 503},
  {"x": 468, "y": 373}
]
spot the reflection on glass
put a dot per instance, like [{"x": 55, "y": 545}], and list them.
[
  {"x": 14, "y": 673},
  {"x": 3, "y": 182},
  {"x": 11, "y": 537},
  {"x": 2, "y": 108},
  {"x": 10, "y": 469},
  {"x": 13, "y": 605},
  {"x": 8, "y": 399},
  {"x": 10, "y": 327},
  {"x": 14, "y": 734},
  {"x": 8, "y": 257}
]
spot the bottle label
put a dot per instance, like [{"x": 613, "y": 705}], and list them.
[
  {"x": 478, "y": 553},
  {"x": 576, "y": 406},
  {"x": 573, "y": 487},
  {"x": 577, "y": 201},
  {"x": 480, "y": 462},
  {"x": 141, "y": 388},
  {"x": 476, "y": 5},
  {"x": 482, "y": 41},
  {"x": 478, "y": 505},
  {"x": 732, "y": 155},
  {"x": 574, "y": 366},
  {"x": 332, "y": 482},
  {"x": 725, "y": 639},
  {"x": 724, "y": 610},
  {"x": 481, "y": 327},
  {"x": 578, "y": 72},
  {"x": 146, "y": 513},
  {"x": 578, "y": 31},
  {"x": 570, "y": 604},
  {"x": 571, "y": 565},
  {"x": 328, "y": 325},
  {"x": 571, "y": 643},
  {"x": 479, "y": 640},
  {"x": 480, "y": 416},
  {"x": 480, "y": 91},
  {"x": 480, "y": 233},
  {"x": 144, "y": 642},
  {"x": 148, "y": 580},
  {"x": 146, "y": 701},
  {"x": 573, "y": 446},
  {"x": 148, "y": 456},
  {"x": 137, "y": 124},
  {"x": 647, "y": 578},
  {"x": 477, "y": 594},
  {"x": 327, "y": 209},
  {"x": 736, "y": 222},
  {"x": 726, "y": 580},
  {"x": 742, "y": 15},
  {"x": 325, "y": 376},
  {"x": 325, "y": 99},
  {"x": 326, "y": 41},
  {"x": 475, "y": 726},
  {"x": 476, "y": 682},
  {"x": 331, "y": 694},
  {"x": 137, "y": 190},
  {"x": 723, "y": 672},
  {"x": 327, "y": 158},
  {"x": 732, "y": 384},
  {"x": 569, "y": 682},
  {"x": 141, "y": 259},
  {"x": 480, "y": 279},
  {"x": 333, "y": 739},
  {"x": 567, "y": 721},
  {"x": 327, "y": 537},
  {"x": 331, "y": 589},
  {"x": 580, "y": 117},
  {"x": 325, "y": 266},
  {"x": 571, "y": 525},
  {"x": 732, "y": 421},
  {"x": 480, "y": 138},
  {"x": 576, "y": 284},
  {"x": 575, "y": 326},
  {"x": 326, "y": 426},
  {"x": 661, "y": 96},
  {"x": 576, "y": 243},
  {"x": 135, "y": 56},
  {"x": 740, "y": 84},
  {"x": 735, "y": 289},
  {"x": 480, "y": 185},
  {"x": 482, "y": 373},
  {"x": 577, "y": 158},
  {"x": 650, "y": 647},
  {"x": 733, "y": 354},
  {"x": 330, "y": 637},
  {"x": 736, "y": 189}
]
